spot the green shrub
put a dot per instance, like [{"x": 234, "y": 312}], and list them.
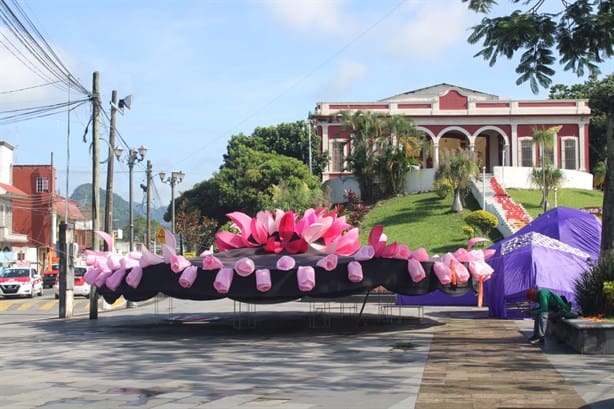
[
  {"x": 442, "y": 188},
  {"x": 592, "y": 288},
  {"x": 469, "y": 231},
  {"x": 482, "y": 220}
]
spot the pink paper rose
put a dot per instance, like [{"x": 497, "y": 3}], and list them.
[
  {"x": 244, "y": 266},
  {"x": 328, "y": 263},
  {"x": 285, "y": 263}
]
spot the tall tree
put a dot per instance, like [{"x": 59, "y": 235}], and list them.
[
  {"x": 289, "y": 139},
  {"x": 598, "y": 120},
  {"x": 581, "y": 33},
  {"x": 382, "y": 150}
]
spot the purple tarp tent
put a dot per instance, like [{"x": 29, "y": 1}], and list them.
[{"x": 574, "y": 227}]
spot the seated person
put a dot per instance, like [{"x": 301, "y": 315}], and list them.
[{"x": 550, "y": 305}]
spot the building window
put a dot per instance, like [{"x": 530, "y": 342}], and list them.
[
  {"x": 338, "y": 160},
  {"x": 526, "y": 153},
  {"x": 42, "y": 185},
  {"x": 569, "y": 153}
]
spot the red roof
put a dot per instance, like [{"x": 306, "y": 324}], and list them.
[
  {"x": 11, "y": 190},
  {"x": 59, "y": 204}
]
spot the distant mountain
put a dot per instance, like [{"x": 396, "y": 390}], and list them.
[{"x": 121, "y": 208}]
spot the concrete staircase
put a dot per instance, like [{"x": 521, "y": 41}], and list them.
[{"x": 492, "y": 197}]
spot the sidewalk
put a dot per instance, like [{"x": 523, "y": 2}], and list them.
[{"x": 198, "y": 354}]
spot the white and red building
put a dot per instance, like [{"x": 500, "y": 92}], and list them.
[{"x": 499, "y": 130}]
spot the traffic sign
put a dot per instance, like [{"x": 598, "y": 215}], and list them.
[{"x": 160, "y": 236}]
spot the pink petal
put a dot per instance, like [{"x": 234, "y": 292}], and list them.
[
  {"x": 148, "y": 258},
  {"x": 306, "y": 277},
  {"x": 364, "y": 253},
  {"x": 115, "y": 279},
  {"x": 474, "y": 241},
  {"x": 355, "y": 274},
  {"x": 179, "y": 263},
  {"x": 225, "y": 240},
  {"x": 416, "y": 270},
  {"x": 328, "y": 263},
  {"x": 420, "y": 254},
  {"x": 263, "y": 279},
  {"x": 210, "y": 262},
  {"x": 188, "y": 277},
  {"x": 244, "y": 266},
  {"x": 168, "y": 253},
  {"x": 107, "y": 238},
  {"x": 133, "y": 279},
  {"x": 286, "y": 263},
  {"x": 223, "y": 280}
]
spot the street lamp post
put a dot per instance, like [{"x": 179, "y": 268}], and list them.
[
  {"x": 174, "y": 179},
  {"x": 133, "y": 156}
]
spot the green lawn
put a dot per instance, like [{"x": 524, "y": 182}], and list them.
[
  {"x": 575, "y": 198},
  {"x": 420, "y": 220},
  {"x": 424, "y": 220}
]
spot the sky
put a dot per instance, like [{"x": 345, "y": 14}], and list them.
[{"x": 200, "y": 71}]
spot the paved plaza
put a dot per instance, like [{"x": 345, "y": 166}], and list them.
[{"x": 178, "y": 354}]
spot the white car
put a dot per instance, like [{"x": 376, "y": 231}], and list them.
[
  {"x": 80, "y": 287},
  {"x": 20, "y": 281}
]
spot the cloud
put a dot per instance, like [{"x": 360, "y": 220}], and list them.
[
  {"x": 347, "y": 74},
  {"x": 426, "y": 30},
  {"x": 315, "y": 17}
]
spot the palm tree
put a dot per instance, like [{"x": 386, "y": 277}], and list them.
[
  {"x": 397, "y": 150},
  {"x": 366, "y": 128},
  {"x": 544, "y": 138},
  {"x": 459, "y": 167}
]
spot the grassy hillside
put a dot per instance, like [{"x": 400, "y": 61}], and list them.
[
  {"x": 424, "y": 220},
  {"x": 420, "y": 220},
  {"x": 576, "y": 198}
]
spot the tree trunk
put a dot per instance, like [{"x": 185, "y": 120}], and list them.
[
  {"x": 457, "y": 204},
  {"x": 607, "y": 225}
]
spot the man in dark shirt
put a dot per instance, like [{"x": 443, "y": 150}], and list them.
[{"x": 549, "y": 305}]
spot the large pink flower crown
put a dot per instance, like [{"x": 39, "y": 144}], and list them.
[{"x": 281, "y": 231}]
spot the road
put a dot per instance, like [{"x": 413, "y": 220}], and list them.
[{"x": 25, "y": 309}]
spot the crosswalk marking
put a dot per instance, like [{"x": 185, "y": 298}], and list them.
[
  {"x": 48, "y": 305},
  {"x": 5, "y": 305}
]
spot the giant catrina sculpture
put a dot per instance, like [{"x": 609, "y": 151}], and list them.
[{"x": 282, "y": 256}]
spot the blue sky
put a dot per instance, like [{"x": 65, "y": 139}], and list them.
[{"x": 202, "y": 71}]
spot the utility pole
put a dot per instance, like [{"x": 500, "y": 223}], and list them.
[
  {"x": 66, "y": 278},
  {"x": 95, "y": 183},
  {"x": 108, "y": 206},
  {"x": 148, "y": 211}
]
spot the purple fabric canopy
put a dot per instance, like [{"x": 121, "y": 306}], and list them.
[
  {"x": 531, "y": 260},
  {"x": 574, "y": 227}
]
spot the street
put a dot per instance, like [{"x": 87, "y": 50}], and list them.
[{"x": 25, "y": 309}]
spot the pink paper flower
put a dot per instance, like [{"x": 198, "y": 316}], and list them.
[
  {"x": 244, "y": 266},
  {"x": 179, "y": 263},
  {"x": 416, "y": 270},
  {"x": 223, "y": 280},
  {"x": 355, "y": 272},
  {"x": 188, "y": 276},
  {"x": 133, "y": 279},
  {"x": 286, "y": 263},
  {"x": 306, "y": 277},
  {"x": 263, "y": 279},
  {"x": 328, "y": 263},
  {"x": 114, "y": 280},
  {"x": 365, "y": 253},
  {"x": 210, "y": 262}
]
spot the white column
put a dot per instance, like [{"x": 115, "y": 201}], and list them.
[{"x": 581, "y": 146}]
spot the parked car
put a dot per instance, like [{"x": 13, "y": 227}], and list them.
[
  {"x": 49, "y": 276},
  {"x": 80, "y": 287},
  {"x": 20, "y": 281}
]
